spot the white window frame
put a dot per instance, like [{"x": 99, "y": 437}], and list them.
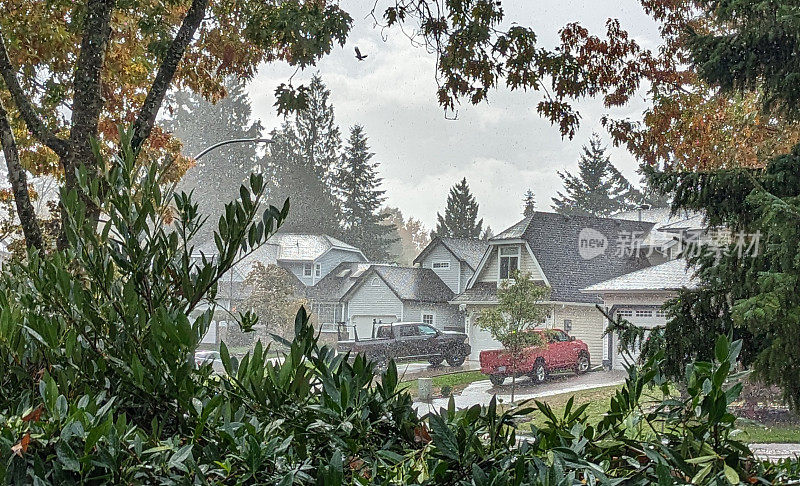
[
  {"x": 645, "y": 313},
  {"x": 317, "y": 270},
  {"x": 441, "y": 265},
  {"x": 624, "y": 313},
  {"x": 433, "y": 318},
  {"x": 307, "y": 270},
  {"x": 500, "y": 256},
  {"x": 661, "y": 313}
]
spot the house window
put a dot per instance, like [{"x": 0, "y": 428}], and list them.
[
  {"x": 441, "y": 265},
  {"x": 306, "y": 269},
  {"x": 625, "y": 313},
  {"x": 509, "y": 261},
  {"x": 375, "y": 282},
  {"x": 427, "y": 319},
  {"x": 644, "y": 313},
  {"x": 317, "y": 269}
]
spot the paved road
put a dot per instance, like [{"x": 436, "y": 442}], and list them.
[
  {"x": 481, "y": 392},
  {"x": 775, "y": 451}
]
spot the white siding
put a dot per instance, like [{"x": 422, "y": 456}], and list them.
[
  {"x": 331, "y": 259},
  {"x": 373, "y": 300},
  {"x": 588, "y": 325},
  {"x": 450, "y": 275},
  {"x": 445, "y": 315},
  {"x": 466, "y": 274}
]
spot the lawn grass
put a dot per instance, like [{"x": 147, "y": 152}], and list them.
[
  {"x": 599, "y": 400},
  {"x": 456, "y": 381}
]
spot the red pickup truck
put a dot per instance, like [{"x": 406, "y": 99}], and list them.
[{"x": 560, "y": 352}]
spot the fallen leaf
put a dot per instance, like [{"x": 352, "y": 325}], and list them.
[
  {"x": 421, "y": 434},
  {"x": 21, "y": 447},
  {"x": 35, "y": 415}
]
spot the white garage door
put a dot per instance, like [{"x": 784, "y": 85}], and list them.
[
  {"x": 646, "y": 318},
  {"x": 364, "y": 324},
  {"x": 480, "y": 340}
]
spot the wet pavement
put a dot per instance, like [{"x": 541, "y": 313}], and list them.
[
  {"x": 775, "y": 451},
  {"x": 481, "y": 392}
]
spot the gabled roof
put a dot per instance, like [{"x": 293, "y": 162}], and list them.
[
  {"x": 337, "y": 282},
  {"x": 555, "y": 242},
  {"x": 285, "y": 247},
  {"x": 466, "y": 250},
  {"x": 479, "y": 292},
  {"x": 670, "y": 275},
  {"x": 407, "y": 283},
  {"x": 666, "y": 222}
]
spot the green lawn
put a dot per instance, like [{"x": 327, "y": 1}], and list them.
[
  {"x": 456, "y": 382},
  {"x": 599, "y": 399}
]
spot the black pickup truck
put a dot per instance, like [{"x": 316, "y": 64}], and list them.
[{"x": 403, "y": 341}]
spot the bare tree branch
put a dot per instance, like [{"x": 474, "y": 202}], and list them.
[
  {"x": 19, "y": 184},
  {"x": 24, "y": 106},
  {"x": 166, "y": 72}
]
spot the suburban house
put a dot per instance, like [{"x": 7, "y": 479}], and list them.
[
  {"x": 308, "y": 258},
  {"x": 454, "y": 260},
  {"x": 326, "y": 296},
  {"x": 566, "y": 253},
  {"x": 389, "y": 293}
]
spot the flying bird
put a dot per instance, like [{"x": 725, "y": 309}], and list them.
[{"x": 360, "y": 56}]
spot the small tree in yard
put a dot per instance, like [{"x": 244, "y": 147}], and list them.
[
  {"x": 274, "y": 298},
  {"x": 520, "y": 308}
]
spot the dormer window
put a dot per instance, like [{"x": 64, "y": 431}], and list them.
[
  {"x": 306, "y": 269},
  {"x": 509, "y": 261}
]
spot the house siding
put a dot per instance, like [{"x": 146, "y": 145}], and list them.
[
  {"x": 490, "y": 270},
  {"x": 372, "y": 300},
  {"x": 450, "y": 276},
  {"x": 297, "y": 269},
  {"x": 446, "y": 316},
  {"x": 588, "y": 325},
  {"x": 466, "y": 274}
]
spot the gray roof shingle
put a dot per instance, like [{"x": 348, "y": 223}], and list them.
[
  {"x": 467, "y": 250},
  {"x": 554, "y": 240},
  {"x": 479, "y": 292},
  {"x": 414, "y": 283},
  {"x": 337, "y": 282}
]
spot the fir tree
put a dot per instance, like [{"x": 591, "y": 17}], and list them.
[
  {"x": 599, "y": 189},
  {"x": 357, "y": 184},
  {"x": 528, "y": 204},
  {"x": 460, "y": 218},
  {"x": 198, "y": 123},
  {"x": 487, "y": 233},
  {"x": 300, "y": 164}
]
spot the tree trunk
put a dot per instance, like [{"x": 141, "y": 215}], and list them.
[{"x": 19, "y": 184}]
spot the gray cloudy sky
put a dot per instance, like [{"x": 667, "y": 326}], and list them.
[{"x": 502, "y": 147}]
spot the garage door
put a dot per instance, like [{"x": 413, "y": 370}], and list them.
[
  {"x": 646, "y": 318},
  {"x": 364, "y": 324},
  {"x": 479, "y": 340}
]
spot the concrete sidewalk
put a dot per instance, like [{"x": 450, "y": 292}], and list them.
[{"x": 481, "y": 392}]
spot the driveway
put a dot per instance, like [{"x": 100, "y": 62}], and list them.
[{"x": 481, "y": 392}]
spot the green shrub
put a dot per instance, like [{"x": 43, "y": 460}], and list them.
[{"x": 99, "y": 385}]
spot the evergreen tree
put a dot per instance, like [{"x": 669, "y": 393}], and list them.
[
  {"x": 198, "y": 123},
  {"x": 529, "y": 204},
  {"x": 300, "y": 164},
  {"x": 599, "y": 189},
  {"x": 409, "y": 238},
  {"x": 487, "y": 233},
  {"x": 357, "y": 184},
  {"x": 460, "y": 218}
]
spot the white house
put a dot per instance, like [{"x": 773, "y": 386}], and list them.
[
  {"x": 566, "y": 253},
  {"x": 454, "y": 260}
]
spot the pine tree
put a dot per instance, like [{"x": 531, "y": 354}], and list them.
[
  {"x": 529, "y": 204},
  {"x": 198, "y": 123},
  {"x": 487, "y": 233},
  {"x": 460, "y": 218},
  {"x": 357, "y": 184},
  {"x": 300, "y": 164},
  {"x": 599, "y": 189}
]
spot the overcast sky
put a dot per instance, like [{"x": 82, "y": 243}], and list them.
[{"x": 502, "y": 147}]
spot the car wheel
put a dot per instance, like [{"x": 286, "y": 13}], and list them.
[
  {"x": 539, "y": 373},
  {"x": 456, "y": 360},
  {"x": 583, "y": 364},
  {"x": 436, "y": 361},
  {"x": 497, "y": 380}
]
